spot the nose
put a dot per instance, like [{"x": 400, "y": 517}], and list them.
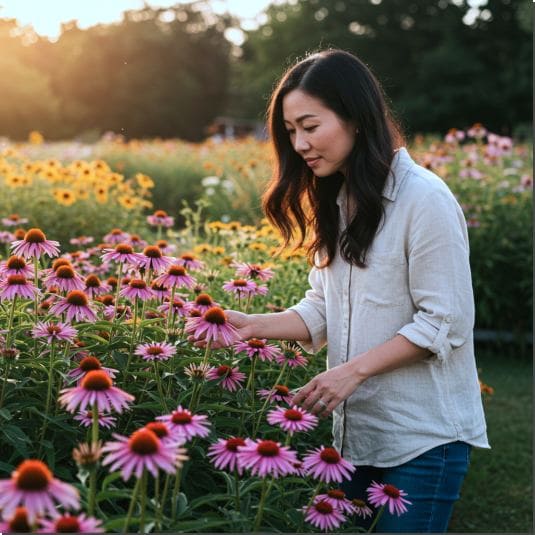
[{"x": 301, "y": 145}]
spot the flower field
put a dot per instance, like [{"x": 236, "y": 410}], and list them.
[{"x": 111, "y": 418}]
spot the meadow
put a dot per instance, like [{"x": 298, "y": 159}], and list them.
[{"x": 112, "y": 420}]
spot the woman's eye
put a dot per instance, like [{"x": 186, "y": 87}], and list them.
[
  {"x": 310, "y": 128},
  {"x": 290, "y": 132}
]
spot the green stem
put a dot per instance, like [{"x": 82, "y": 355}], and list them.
[
  {"x": 48, "y": 392},
  {"x": 162, "y": 501},
  {"x": 4, "y": 381},
  {"x": 376, "y": 519},
  {"x": 92, "y": 491},
  {"x": 131, "y": 506},
  {"x": 171, "y": 313},
  {"x": 237, "y": 485},
  {"x": 268, "y": 399},
  {"x": 159, "y": 384},
  {"x": 116, "y": 304},
  {"x": 263, "y": 496},
  {"x": 132, "y": 340},
  {"x": 143, "y": 501},
  {"x": 94, "y": 428},
  {"x": 174, "y": 496},
  {"x": 10, "y": 323}
]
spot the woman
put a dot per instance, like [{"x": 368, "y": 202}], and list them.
[{"x": 390, "y": 291}]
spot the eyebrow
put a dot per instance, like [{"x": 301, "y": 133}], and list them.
[{"x": 302, "y": 117}]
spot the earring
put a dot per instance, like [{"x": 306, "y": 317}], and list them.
[{"x": 356, "y": 130}]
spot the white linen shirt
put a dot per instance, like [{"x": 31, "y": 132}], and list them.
[{"x": 417, "y": 284}]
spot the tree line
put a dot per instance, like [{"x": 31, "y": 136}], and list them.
[{"x": 168, "y": 72}]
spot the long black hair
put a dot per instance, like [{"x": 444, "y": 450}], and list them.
[{"x": 295, "y": 198}]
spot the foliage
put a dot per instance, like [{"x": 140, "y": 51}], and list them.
[
  {"x": 436, "y": 69},
  {"x": 158, "y": 72}
]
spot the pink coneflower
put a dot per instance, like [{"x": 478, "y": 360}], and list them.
[
  {"x": 6, "y": 236},
  {"x": 152, "y": 258},
  {"x": 337, "y": 498},
  {"x": 380, "y": 494},
  {"x": 82, "y": 240},
  {"x": 159, "y": 291},
  {"x": 137, "y": 289},
  {"x": 71, "y": 524},
  {"x": 323, "y": 516},
  {"x": 266, "y": 458},
  {"x": 197, "y": 371},
  {"x": 16, "y": 265},
  {"x": 14, "y": 220},
  {"x": 224, "y": 453},
  {"x": 123, "y": 311},
  {"x": 212, "y": 325},
  {"x": 190, "y": 261},
  {"x": 65, "y": 279},
  {"x": 253, "y": 271},
  {"x": 176, "y": 276},
  {"x": 116, "y": 236},
  {"x": 299, "y": 469},
  {"x": 241, "y": 287},
  {"x": 104, "y": 420},
  {"x": 76, "y": 306},
  {"x": 123, "y": 253},
  {"x": 33, "y": 486},
  {"x": 185, "y": 424},
  {"x": 142, "y": 450},
  {"x": 327, "y": 465},
  {"x": 155, "y": 351},
  {"x": 361, "y": 509},
  {"x": 93, "y": 286},
  {"x": 277, "y": 393},
  {"x": 292, "y": 420},
  {"x": 137, "y": 242},
  {"x": 96, "y": 388},
  {"x": 256, "y": 348},
  {"x": 54, "y": 332},
  {"x": 18, "y": 523},
  {"x": 34, "y": 244},
  {"x": 165, "y": 247},
  {"x": 180, "y": 307},
  {"x": 231, "y": 378},
  {"x": 160, "y": 219},
  {"x": 203, "y": 302},
  {"x": 88, "y": 364},
  {"x": 17, "y": 286},
  {"x": 162, "y": 431},
  {"x": 291, "y": 356}
]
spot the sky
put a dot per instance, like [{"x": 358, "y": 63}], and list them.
[{"x": 46, "y": 15}]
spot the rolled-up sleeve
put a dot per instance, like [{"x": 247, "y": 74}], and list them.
[
  {"x": 439, "y": 275},
  {"x": 311, "y": 309}
]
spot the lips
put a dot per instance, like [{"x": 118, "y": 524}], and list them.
[{"x": 312, "y": 162}]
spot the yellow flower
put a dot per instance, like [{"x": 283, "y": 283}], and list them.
[
  {"x": 217, "y": 225},
  {"x": 127, "y": 202},
  {"x": 65, "y": 197},
  {"x": 81, "y": 191},
  {"x": 52, "y": 163},
  {"x": 218, "y": 250},
  {"x": 144, "y": 181},
  {"x": 258, "y": 246},
  {"x": 35, "y": 137},
  {"x": 101, "y": 194},
  {"x": 114, "y": 178},
  {"x": 202, "y": 248},
  {"x": 234, "y": 225},
  {"x": 100, "y": 165},
  {"x": 15, "y": 181}
]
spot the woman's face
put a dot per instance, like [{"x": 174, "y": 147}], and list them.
[{"x": 317, "y": 134}]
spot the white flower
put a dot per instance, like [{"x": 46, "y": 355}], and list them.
[{"x": 210, "y": 181}]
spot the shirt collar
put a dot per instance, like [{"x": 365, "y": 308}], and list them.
[{"x": 401, "y": 164}]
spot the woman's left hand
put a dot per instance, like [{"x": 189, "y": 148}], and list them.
[{"x": 328, "y": 389}]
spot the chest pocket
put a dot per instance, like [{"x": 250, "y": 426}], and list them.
[{"x": 385, "y": 282}]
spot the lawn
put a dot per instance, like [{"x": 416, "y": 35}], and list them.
[{"x": 497, "y": 494}]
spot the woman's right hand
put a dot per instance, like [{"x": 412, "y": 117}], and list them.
[{"x": 243, "y": 323}]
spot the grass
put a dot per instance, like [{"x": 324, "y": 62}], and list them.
[{"x": 497, "y": 493}]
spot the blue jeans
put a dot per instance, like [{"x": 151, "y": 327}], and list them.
[{"x": 432, "y": 482}]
